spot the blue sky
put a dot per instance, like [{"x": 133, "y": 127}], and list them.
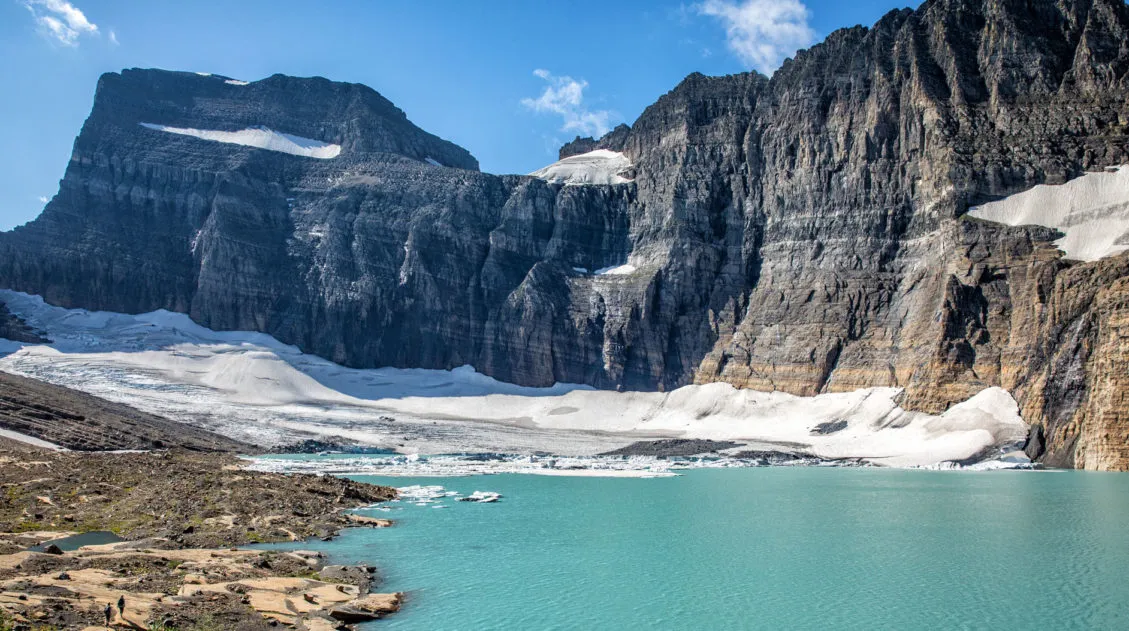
[{"x": 510, "y": 81}]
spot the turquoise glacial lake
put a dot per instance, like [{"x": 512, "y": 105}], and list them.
[{"x": 766, "y": 548}]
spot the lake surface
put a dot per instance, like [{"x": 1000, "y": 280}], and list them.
[
  {"x": 74, "y": 542},
  {"x": 760, "y": 548}
]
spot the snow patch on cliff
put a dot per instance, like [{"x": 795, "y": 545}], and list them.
[
  {"x": 611, "y": 270},
  {"x": 236, "y": 82},
  {"x": 259, "y": 138},
  {"x": 1091, "y": 210},
  {"x": 253, "y": 387},
  {"x": 615, "y": 270},
  {"x": 595, "y": 167}
]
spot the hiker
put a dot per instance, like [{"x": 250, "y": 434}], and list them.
[
  {"x": 109, "y": 611},
  {"x": 121, "y": 606}
]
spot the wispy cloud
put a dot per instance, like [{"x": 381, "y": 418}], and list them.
[
  {"x": 762, "y": 33},
  {"x": 552, "y": 144},
  {"x": 113, "y": 38},
  {"x": 564, "y": 96},
  {"x": 60, "y": 21},
  {"x": 44, "y": 199}
]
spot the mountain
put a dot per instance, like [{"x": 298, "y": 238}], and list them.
[{"x": 806, "y": 232}]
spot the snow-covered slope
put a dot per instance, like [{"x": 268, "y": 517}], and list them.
[
  {"x": 260, "y": 138},
  {"x": 611, "y": 270},
  {"x": 615, "y": 270},
  {"x": 595, "y": 167},
  {"x": 1091, "y": 210},
  {"x": 253, "y": 387}
]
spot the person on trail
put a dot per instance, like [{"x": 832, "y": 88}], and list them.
[
  {"x": 109, "y": 611},
  {"x": 121, "y": 606}
]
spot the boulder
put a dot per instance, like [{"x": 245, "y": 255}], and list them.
[{"x": 367, "y": 608}]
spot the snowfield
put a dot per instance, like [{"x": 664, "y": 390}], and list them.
[
  {"x": 259, "y": 138},
  {"x": 1091, "y": 210},
  {"x": 252, "y": 387},
  {"x": 595, "y": 167},
  {"x": 615, "y": 270},
  {"x": 612, "y": 270}
]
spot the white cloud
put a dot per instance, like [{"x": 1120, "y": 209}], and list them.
[
  {"x": 44, "y": 199},
  {"x": 565, "y": 96},
  {"x": 60, "y": 21},
  {"x": 762, "y": 33},
  {"x": 114, "y": 38}
]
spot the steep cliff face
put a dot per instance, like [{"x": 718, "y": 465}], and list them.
[
  {"x": 800, "y": 233},
  {"x": 395, "y": 251},
  {"x": 1050, "y": 332},
  {"x": 860, "y": 155}
]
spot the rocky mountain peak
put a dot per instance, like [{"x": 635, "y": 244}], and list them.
[
  {"x": 613, "y": 141},
  {"x": 350, "y": 115}
]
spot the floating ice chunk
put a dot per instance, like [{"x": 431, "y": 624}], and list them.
[
  {"x": 471, "y": 464},
  {"x": 422, "y": 494},
  {"x": 1091, "y": 210},
  {"x": 236, "y": 82},
  {"x": 482, "y": 497},
  {"x": 595, "y": 167},
  {"x": 259, "y": 138}
]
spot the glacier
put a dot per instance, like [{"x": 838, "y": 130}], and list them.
[
  {"x": 595, "y": 167},
  {"x": 252, "y": 387},
  {"x": 1092, "y": 212}
]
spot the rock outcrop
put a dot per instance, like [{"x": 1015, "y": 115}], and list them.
[
  {"x": 801, "y": 233},
  {"x": 15, "y": 329},
  {"x": 181, "y": 515},
  {"x": 82, "y": 422}
]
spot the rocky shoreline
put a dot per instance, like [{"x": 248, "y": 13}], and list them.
[{"x": 182, "y": 516}]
